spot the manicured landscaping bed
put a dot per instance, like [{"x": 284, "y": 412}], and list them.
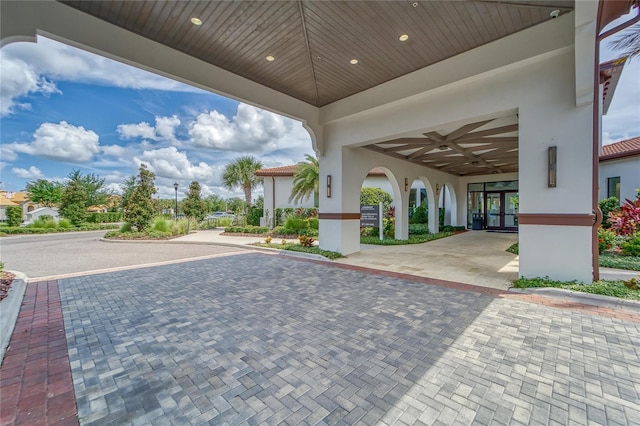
[
  {"x": 618, "y": 288},
  {"x": 413, "y": 239},
  {"x": 149, "y": 235},
  {"x": 6, "y": 230},
  {"x": 606, "y": 260},
  {"x": 298, "y": 248}
]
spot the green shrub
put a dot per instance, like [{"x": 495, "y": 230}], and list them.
[
  {"x": 225, "y": 221},
  {"x": 413, "y": 239},
  {"x": 208, "y": 224},
  {"x": 180, "y": 227},
  {"x": 14, "y": 215},
  {"x": 418, "y": 229},
  {"x": 608, "y": 205},
  {"x": 605, "y": 288},
  {"x": 610, "y": 260},
  {"x": 64, "y": 223},
  {"x": 254, "y": 216},
  {"x": 314, "y": 223},
  {"x": 606, "y": 239},
  {"x": 631, "y": 247},
  {"x": 136, "y": 235},
  {"x": 160, "y": 224},
  {"x": 44, "y": 221},
  {"x": 420, "y": 215},
  {"x": 247, "y": 229},
  {"x": 126, "y": 227},
  {"x": 108, "y": 217},
  {"x": 515, "y": 249},
  {"x": 293, "y": 225}
]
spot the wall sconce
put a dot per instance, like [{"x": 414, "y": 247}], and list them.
[
  {"x": 328, "y": 186},
  {"x": 437, "y": 189},
  {"x": 552, "y": 167},
  {"x": 406, "y": 184}
]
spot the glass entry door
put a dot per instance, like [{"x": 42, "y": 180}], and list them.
[{"x": 501, "y": 209}]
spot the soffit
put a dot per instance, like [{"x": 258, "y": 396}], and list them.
[
  {"x": 313, "y": 41},
  {"x": 478, "y": 148}
]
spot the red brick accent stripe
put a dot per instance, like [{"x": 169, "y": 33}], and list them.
[
  {"x": 339, "y": 216},
  {"x": 559, "y": 219},
  {"x": 36, "y": 386}
]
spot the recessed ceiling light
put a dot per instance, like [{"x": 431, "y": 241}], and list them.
[
  {"x": 415, "y": 4},
  {"x": 270, "y": 58},
  {"x": 196, "y": 21},
  {"x": 403, "y": 37},
  {"x": 353, "y": 61}
]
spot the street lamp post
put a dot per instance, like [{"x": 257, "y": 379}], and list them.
[{"x": 175, "y": 186}]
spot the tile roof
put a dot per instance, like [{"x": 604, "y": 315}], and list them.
[
  {"x": 4, "y": 201},
  {"x": 289, "y": 171},
  {"x": 625, "y": 148}
]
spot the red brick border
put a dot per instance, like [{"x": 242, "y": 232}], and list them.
[{"x": 36, "y": 386}]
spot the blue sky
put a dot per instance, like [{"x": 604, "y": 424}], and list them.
[{"x": 62, "y": 108}]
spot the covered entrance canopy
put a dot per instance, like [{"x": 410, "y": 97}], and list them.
[{"x": 368, "y": 78}]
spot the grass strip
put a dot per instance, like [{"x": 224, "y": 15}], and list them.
[{"x": 603, "y": 287}]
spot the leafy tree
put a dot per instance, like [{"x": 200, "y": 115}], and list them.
[
  {"x": 306, "y": 180},
  {"x": 194, "y": 206},
  {"x": 236, "y": 204},
  {"x": 44, "y": 192},
  {"x": 14, "y": 215},
  {"x": 628, "y": 41},
  {"x": 241, "y": 172},
  {"x": 93, "y": 187},
  {"x": 141, "y": 208},
  {"x": 373, "y": 196},
  {"x": 128, "y": 185},
  {"x": 73, "y": 205},
  {"x": 215, "y": 203}
]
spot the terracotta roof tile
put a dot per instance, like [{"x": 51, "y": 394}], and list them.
[{"x": 625, "y": 148}]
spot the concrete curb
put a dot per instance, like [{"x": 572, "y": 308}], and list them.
[
  {"x": 585, "y": 298},
  {"x": 10, "y": 308}
]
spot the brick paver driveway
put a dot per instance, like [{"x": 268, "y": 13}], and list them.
[{"x": 255, "y": 338}]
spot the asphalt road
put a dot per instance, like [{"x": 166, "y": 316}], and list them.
[{"x": 48, "y": 255}]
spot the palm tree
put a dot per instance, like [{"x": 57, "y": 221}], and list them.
[
  {"x": 242, "y": 172},
  {"x": 628, "y": 41},
  {"x": 306, "y": 180}
]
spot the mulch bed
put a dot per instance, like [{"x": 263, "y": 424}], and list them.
[{"x": 6, "y": 278}]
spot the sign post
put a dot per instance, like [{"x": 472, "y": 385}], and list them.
[{"x": 371, "y": 217}]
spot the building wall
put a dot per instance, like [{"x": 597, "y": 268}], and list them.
[{"x": 628, "y": 169}]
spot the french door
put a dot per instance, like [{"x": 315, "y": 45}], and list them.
[{"x": 501, "y": 208}]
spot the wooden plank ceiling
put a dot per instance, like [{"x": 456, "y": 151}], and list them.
[
  {"x": 480, "y": 148},
  {"x": 313, "y": 43}
]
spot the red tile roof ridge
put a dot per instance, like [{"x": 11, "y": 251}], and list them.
[{"x": 625, "y": 148}]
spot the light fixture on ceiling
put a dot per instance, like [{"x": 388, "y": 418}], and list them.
[
  {"x": 270, "y": 58},
  {"x": 554, "y": 13},
  {"x": 353, "y": 61},
  {"x": 415, "y": 4},
  {"x": 196, "y": 21},
  {"x": 474, "y": 163},
  {"x": 443, "y": 147},
  {"x": 403, "y": 37}
]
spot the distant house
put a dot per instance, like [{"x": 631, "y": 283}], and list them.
[
  {"x": 33, "y": 215},
  {"x": 21, "y": 199},
  {"x": 620, "y": 169}
]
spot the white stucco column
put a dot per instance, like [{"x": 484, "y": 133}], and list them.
[{"x": 340, "y": 212}]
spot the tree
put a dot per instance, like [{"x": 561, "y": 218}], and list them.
[
  {"x": 140, "y": 208},
  {"x": 215, "y": 203},
  {"x": 194, "y": 206},
  {"x": 44, "y": 192},
  {"x": 306, "y": 180},
  {"x": 73, "y": 205},
  {"x": 93, "y": 187},
  {"x": 14, "y": 215},
  {"x": 241, "y": 172},
  {"x": 628, "y": 41},
  {"x": 236, "y": 204},
  {"x": 128, "y": 185},
  {"x": 373, "y": 196}
]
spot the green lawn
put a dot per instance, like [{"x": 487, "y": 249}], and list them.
[{"x": 607, "y": 260}]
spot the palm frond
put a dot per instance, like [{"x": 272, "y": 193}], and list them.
[{"x": 628, "y": 41}]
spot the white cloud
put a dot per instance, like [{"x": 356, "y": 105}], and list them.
[
  {"x": 7, "y": 154},
  {"x": 164, "y": 130},
  {"x": 32, "y": 173},
  {"x": 251, "y": 130},
  {"x": 114, "y": 150},
  {"x": 29, "y": 68},
  {"x": 171, "y": 163},
  {"x": 63, "y": 141},
  {"x": 17, "y": 79}
]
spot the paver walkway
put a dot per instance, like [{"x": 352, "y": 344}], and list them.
[{"x": 255, "y": 338}]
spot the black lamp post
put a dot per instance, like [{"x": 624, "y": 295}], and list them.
[{"x": 175, "y": 186}]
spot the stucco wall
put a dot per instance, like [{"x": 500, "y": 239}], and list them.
[{"x": 628, "y": 169}]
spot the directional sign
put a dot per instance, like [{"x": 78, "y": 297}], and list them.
[{"x": 369, "y": 216}]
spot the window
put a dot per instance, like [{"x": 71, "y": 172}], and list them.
[{"x": 613, "y": 187}]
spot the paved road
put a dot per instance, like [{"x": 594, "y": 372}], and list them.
[
  {"x": 254, "y": 339},
  {"x": 57, "y": 254}
]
